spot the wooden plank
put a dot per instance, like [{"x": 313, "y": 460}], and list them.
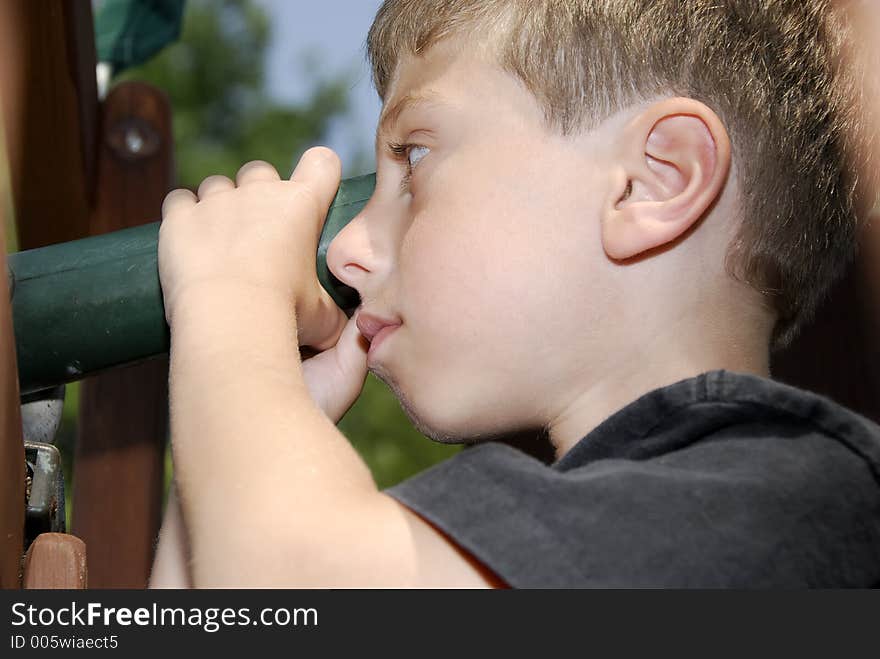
[
  {"x": 47, "y": 89},
  {"x": 81, "y": 59},
  {"x": 55, "y": 560},
  {"x": 124, "y": 413},
  {"x": 12, "y": 494}
]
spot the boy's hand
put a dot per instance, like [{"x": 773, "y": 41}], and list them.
[{"x": 255, "y": 237}]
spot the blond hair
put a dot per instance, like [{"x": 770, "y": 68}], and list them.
[{"x": 776, "y": 72}]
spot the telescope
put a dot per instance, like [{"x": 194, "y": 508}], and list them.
[{"x": 87, "y": 305}]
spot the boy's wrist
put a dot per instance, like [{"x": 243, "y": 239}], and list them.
[
  {"x": 207, "y": 300},
  {"x": 234, "y": 321}
]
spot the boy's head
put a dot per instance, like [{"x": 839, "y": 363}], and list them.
[{"x": 572, "y": 188}]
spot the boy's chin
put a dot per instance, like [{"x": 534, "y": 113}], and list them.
[
  {"x": 432, "y": 428},
  {"x": 454, "y": 429},
  {"x": 437, "y": 427},
  {"x": 445, "y": 424}
]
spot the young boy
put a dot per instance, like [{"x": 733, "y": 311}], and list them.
[{"x": 593, "y": 218}]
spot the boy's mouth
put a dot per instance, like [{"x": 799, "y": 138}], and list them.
[
  {"x": 370, "y": 325},
  {"x": 375, "y": 329}
]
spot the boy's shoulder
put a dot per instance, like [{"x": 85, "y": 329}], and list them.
[{"x": 723, "y": 479}]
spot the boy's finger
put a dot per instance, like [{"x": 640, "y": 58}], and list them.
[
  {"x": 319, "y": 170},
  {"x": 215, "y": 184},
  {"x": 256, "y": 171},
  {"x": 335, "y": 377},
  {"x": 178, "y": 200},
  {"x": 352, "y": 348}
]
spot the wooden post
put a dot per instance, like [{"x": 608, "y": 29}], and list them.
[
  {"x": 49, "y": 105},
  {"x": 124, "y": 413},
  {"x": 12, "y": 493}
]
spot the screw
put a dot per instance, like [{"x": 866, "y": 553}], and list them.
[{"x": 134, "y": 141}]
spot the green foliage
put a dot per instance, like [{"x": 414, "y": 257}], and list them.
[
  {"x": 7, "y": 212},
  {"x": 222, "y": 115},
  {"x": 65, "y": 440}
]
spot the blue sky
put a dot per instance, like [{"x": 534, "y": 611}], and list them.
[{"x": 330, "y": 33}]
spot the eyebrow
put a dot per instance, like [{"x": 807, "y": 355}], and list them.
[{"x": 391, "y": 115}]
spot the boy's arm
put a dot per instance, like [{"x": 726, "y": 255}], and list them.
[{"x": 272, "y": 493}]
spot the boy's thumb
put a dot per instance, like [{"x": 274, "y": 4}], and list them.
[
  {"x": 336, "y": 376},
  {"x": 351, "y": 350}
]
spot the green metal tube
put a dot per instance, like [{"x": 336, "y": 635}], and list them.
[{"x": 92, "y": 304}]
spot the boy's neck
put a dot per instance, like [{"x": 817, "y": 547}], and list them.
[{"x": 678, "y": 354}]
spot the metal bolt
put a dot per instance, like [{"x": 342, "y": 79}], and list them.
[
  {"x": 134, "y": 141},
  {"x": 133, "y": 138}
]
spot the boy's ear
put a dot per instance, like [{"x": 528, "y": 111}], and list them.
[{"x": 672, "y": 161}]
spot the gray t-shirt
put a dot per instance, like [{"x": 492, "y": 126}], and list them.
[{"x": 721, "y": 480}]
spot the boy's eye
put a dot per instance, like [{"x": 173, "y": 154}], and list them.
[
  {"x": 415, "y": 154},
  {"x": 410, "y": 155}
]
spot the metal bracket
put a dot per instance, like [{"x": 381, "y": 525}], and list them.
[
  {"x": 41, "y": 414},
  {"x": 44, "y": 491},
  {"x": 44, "y": 481}
]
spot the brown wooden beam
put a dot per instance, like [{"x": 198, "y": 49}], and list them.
[
  {"x": 124, "y": 412},
  {"x": 81, "y": 61},
  {"x": 49, "y": 99},
  {"x": 12, "y": 494}
]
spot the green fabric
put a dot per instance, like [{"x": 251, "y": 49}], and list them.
[{"x": 129, "y": 32}]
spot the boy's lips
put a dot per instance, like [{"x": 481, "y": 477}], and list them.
[{"x": 375, "y": 328}]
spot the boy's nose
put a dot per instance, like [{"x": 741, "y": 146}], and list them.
[{"x": 350, "y": 257}]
